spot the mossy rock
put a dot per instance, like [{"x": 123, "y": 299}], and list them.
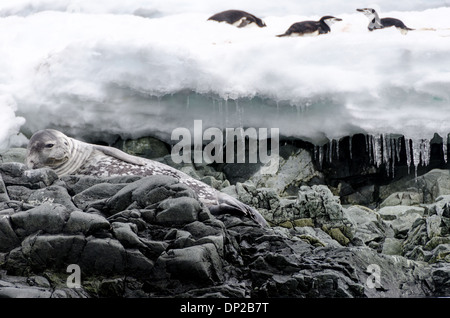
[{"x": 303, "y": 222}]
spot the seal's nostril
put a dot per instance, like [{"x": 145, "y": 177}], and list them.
[{"x": 31, "y": 164}]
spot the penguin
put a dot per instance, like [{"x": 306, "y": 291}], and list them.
[
  {"x": 377, "y": 23},
  {"x": 237, "y": 18},
  {"x": 311, "y": 27}
]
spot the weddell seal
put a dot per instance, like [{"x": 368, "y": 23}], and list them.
[
  {"x": 311, "y": 28},
  {"x": 65, "y": 155},
  {"x": 237, "y": 18},
  {"x": 377, "y": 23}
]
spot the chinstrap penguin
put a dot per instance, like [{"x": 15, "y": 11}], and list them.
[
  {"x": 237, "y": 18},
  {"x": 311, "y": 28},
  {"x": 377, "y": 23}
]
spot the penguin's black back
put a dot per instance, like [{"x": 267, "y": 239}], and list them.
[
  {"x": 389, "y": 22},
  {"x": 233, "y": 16},
  {"x": 303, "y": 27}
]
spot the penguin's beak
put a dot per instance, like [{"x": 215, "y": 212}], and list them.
[
  {"x": 337, "y": 19},
  {"x": 360, "y": 10}
]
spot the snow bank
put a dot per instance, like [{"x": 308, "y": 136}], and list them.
[{"x": 94, "y": 69}]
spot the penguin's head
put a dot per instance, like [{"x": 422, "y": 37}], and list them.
[
  {"x": 260, "y": 22},
  {"x": 368, "y": 12},
  {"x": 328, "y": 19}
]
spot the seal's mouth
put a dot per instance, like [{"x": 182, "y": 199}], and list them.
[{"x": 56, "y": 162}]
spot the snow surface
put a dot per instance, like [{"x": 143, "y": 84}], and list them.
[{"x": 97, "y": 68}]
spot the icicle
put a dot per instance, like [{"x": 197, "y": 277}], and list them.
[
  {"x": 386, "y": 154},
  {"x": 316, "y": 152},
  {"x": 367, "y": 143},
  {"x": 385, "y": 150},
  {"x": 321, "y": 156},
  {"x": 408, "y": 153},
  {"x": 444, "y": 148},
  {"x": 391, "y": 154},
  {"x": 337, "y": 149},
  {"x": 416, "y": 154},
  {"x": 398, "y": 147},
  {"x": 378, "y": 158},
  {"x": 425, "y": 152},
  {"x": 350, "y": 141},
  {"x": 370, "y": 148},
  {"x": 330, "y": 151}
]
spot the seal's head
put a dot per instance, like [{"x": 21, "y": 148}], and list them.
[{"x": 47, "y": 148}]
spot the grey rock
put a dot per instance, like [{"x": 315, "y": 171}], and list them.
[
  {"x": 103, "y": 257},
  {"x": 359, "y": 196},
  {"x": 49, "y": 218},
  {"x": 200, "y": 264},
  {"x": 433, "y": 226},
  {"x": 35, "y": 197},
  {"x": 3, "y": 193},
  {"x": 297, "y": 169},
  {"x": 441, "y": 253},
  {"x": 126, "y": 234},
  {"x": 8, "y": 238},
  {"x": 52, "y": 194},
  {"x": 44, "y": 252},
  {"x": 429, "y": 186},
  {"x": 401, "y": 218},
  {"x": 146, "y": 191},
  {"x": 24, "y": 292},
  {"x": 318, "y": 203},
  {"x": 151, "y": 237},
  {"x": 137, "y": 264},
  {"x": 403, "y": 198},
  {"x": 415, "y": 239},
  {"x": 392, "y": 246},
  {"x": 96, "y": 193},
  {"x": 13, "y": 155},
  {"x": 86, "y": 223},
  {"x": 134, "y": 216},
  {"x": 315, "y": 236},
  {"x": 15, "y": 173},
  {"x": 178, "y": 211},
  {"x": 441, "y": 279}
]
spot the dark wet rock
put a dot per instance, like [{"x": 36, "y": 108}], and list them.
[
  {"x": 3, "y": 193},
  {"x": 48, "y": 218},
  {"x": 105, "y": 256},
  {"x": 15, "y": 173},
  {"x": 199, "y": 264},
  {"x": 9, "y": 238},
  {"x": 97, "y": 193},
  {"x": 427, "y": 187},
  {"x": 86, "y": 223},
  {"x": 152, "y": 237},
  {"x": 147, "y": 191},
  {"x": 178, "y": 211}
]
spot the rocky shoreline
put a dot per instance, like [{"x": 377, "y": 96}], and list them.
[{"x": 150, "y": 236}]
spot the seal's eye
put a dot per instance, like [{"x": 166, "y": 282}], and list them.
[{"x": 49, "y": 145}]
